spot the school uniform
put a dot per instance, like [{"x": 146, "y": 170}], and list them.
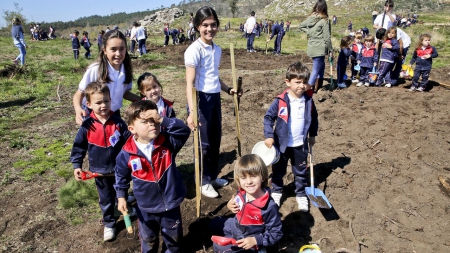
[
  {"x": 423, "y": 66},
  {"x": 342, "y": 63},
  {"x": 103, "y": 143},
  {"x": 277, "y": 30},
  {"x": 165, "y": 107},
  {"x": 406, "y": 41},
  {"x": 117, "y": 88},
  {"x": 387, "y": 61},
  {"x": 367, "y": 57},
  {"x": 294, "y": 119},
  {"x": 175, "y": 34},
  {"x": 258, "y": 218},
  {"x": 206, "y": 60},
  {"x": 75, "y": 46},
  {"x": 356, "y": 48},
  {"x": 157, "y": 184},
  {"x": 166, "y": 36},
  {"x": 87, "y": 45},
  {"x": 99, "y": 42}
]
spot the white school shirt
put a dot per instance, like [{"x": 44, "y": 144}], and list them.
[
  {"x": 250, "y": 24},
  {"x": 206, "y": 61},
  {"x": 404, "y": 37},
  {"x": 140, "y": 33},
  {"x": 147, "y": 149},
  {"x": 387, "y": 21},
  {"x": 296, "y": 121},
  {"x": 116, "y": 86}
]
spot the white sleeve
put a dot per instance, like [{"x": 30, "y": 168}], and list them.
[
  {"x": 192, "y": 56},
  {"x": 89, "y": 76},
  {"x": 378, "y": 20}
]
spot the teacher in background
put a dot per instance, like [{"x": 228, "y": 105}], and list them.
[{"x": 19, "y": 41}]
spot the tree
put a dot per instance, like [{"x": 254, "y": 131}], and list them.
[
  {"x": 233, "y": 6},
  {"x": 17, "y": 13}
]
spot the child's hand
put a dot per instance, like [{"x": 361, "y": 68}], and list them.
[
  {"x": 358, "y": 62},
  {"x": 232, "y": 205},
  {"x": 77, "y": 174},
  {"x": 374, "y": 64},
  {"x": 269, "y": 142},
  {"x": 247, "y": 243},
  {"x": 153, "y": 115},
  {"x": 312, "y": 141},
  {"x": 233, "y": 91},
  {"x": 122, "y": 205},
  {"x": 426, "y": 56}
]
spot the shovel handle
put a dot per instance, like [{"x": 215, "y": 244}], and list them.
[
  {"x": 311, "y": 167},
  {"x": 126, "y": 218}
]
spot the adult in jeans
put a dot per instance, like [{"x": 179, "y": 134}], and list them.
[
  {"x": 249, "y": 28},
  {"x": 19, "y": 41},
  {"x": 318, "y": 30}
]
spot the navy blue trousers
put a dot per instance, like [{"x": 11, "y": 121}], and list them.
[
  {"x": 425, "y": 75},
  {"x": 277, "y": 43},
  {"x": 250, "y": 39},
  {"x": 133, "y": 45},
  {"x": 107, "y": 199},
  {"x": 298, "y": 157},
  {"x": 385, "y": 69},
  {"x": 169, "y": 223},
  {"x": 340, "y": 73},
  {"x": 395, "y": 74},
  {"x": 210, "y": 118},
  {"x": 166, "y": 40},
  {"x": 227, "y": 227},
  {"x": 364, "y": 74},
  {"x": 142, "y": 49}
]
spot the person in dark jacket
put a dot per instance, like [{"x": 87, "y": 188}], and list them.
[
  {"x": 257, "y": 222},
  {"x": 367, "y": 60},
  {"x": 100, "y": 40},
  {"x": 148, "y": 159},
  {"x": 294, "y": 115},
  {"x": 389, "y": 53},
  {"x": 175, "y": 34},
  {"x": 423, "y": 58},
  {"x": 86, "y": 44},
  {"x": 75, "y": 44},
  {"x": 342, "y": 62},
  {"x": 102, "y": 135},
  {"x": 277, "y": 30},
  {"x": 19, "y": 41},
  {"x": 166, "y": 30}
]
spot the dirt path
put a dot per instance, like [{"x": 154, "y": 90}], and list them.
[{"x": 378, "y": 156}]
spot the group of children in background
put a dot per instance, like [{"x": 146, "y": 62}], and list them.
[{"x": 375, "y": 67}]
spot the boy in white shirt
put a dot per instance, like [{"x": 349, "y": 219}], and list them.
[{"x": 296, "y": 116}]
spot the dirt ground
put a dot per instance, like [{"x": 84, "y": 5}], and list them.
[{"x": 378, "y": 156}]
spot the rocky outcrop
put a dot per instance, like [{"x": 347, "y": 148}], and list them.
[{"x": 156, "y": 21}]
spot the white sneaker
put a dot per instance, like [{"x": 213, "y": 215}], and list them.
[
  {"x": 388, "y": 85},
  {"x": 208, "y": 191},
  {"x": 109, "y": 233},
  {"x": 303, "y": 204},
  {"x": 354, "y": 80},
  {"x": 276, "y": 197},
  {"x": 359, "y": 84},
  {"x": 219, "y": 183},
  {"x": 367, "y": 84}
]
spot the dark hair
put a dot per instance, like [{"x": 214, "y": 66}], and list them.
[
  {"x": 345, "y": 41},
  {"x": 321, "y": 8},
  {"x": 16, "y": 21},
  {"x": 389, "y": 3},
  {"x": 252, "y": 165},
  {"x": 96, "y": 87},
  {"x": 134, "y": 110},
  {"x": 76, "y": 32},
  {"x": 135, "y": 23},
  {"x": 103, "y": 60},
  {"x": 297, "y": 70},
  {"x": 85, "y": 33},
  {"x": 147, "y": 76},
  {"x": 204, "y": 13},
  {"x": 380, "y": 33}
]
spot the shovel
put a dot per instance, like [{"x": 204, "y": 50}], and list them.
[{"x": 315, "y": 195}]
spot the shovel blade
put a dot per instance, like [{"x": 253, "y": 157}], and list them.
[{"x": 317, "y": 197}]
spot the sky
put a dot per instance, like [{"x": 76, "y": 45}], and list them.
[{"x": 63, "y": 10}]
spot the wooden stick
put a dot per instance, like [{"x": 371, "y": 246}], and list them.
[
  {"x": 391, "y": 220},
  {"x": 236, "y": 99},
  {"x": 198, "y": 184}
]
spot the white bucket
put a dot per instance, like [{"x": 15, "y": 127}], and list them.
[{"x": 269, "y": 155}]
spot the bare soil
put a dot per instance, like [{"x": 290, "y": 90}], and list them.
[{"x": 378, "y": 157}]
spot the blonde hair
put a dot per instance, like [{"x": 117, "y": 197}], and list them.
[
  {"x": 251, "y": 165},
  {"x": 421, "y": 38},
  {"x": 96, "y": 87},
  {"x": 369, "y": 38},
  {"x": 358, "y": 35}
]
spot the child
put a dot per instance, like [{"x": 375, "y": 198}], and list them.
[
  {"x": 423, "y": 57},
  {"x": 166, "y": 34},
  {"x": 148, "y": 159},
  {"x": 151, "y": 89},
  {"x": 202, "y": 60},
  {"x": 102, "y": 135},
  {"x": 367, "y": 59},
  {"x": 356, "y": 48},
  {"x": 19, "y": 40},
  {"x": 389, "y": 52},
  {"x": 295, "y": 116},
  {"x": 114, "y": 69},
  {"x": 86, "y": 44},
  {"x": 100, "y": 40},
  {"x": 75, "y": 45},
  {"x": 350, "y": 26},
  {"x": 277, "y": 30},
  {"x": 257, "y": 223},
  {"x": 175, "y": 34},
  {"x": 342, "y": 63}
]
